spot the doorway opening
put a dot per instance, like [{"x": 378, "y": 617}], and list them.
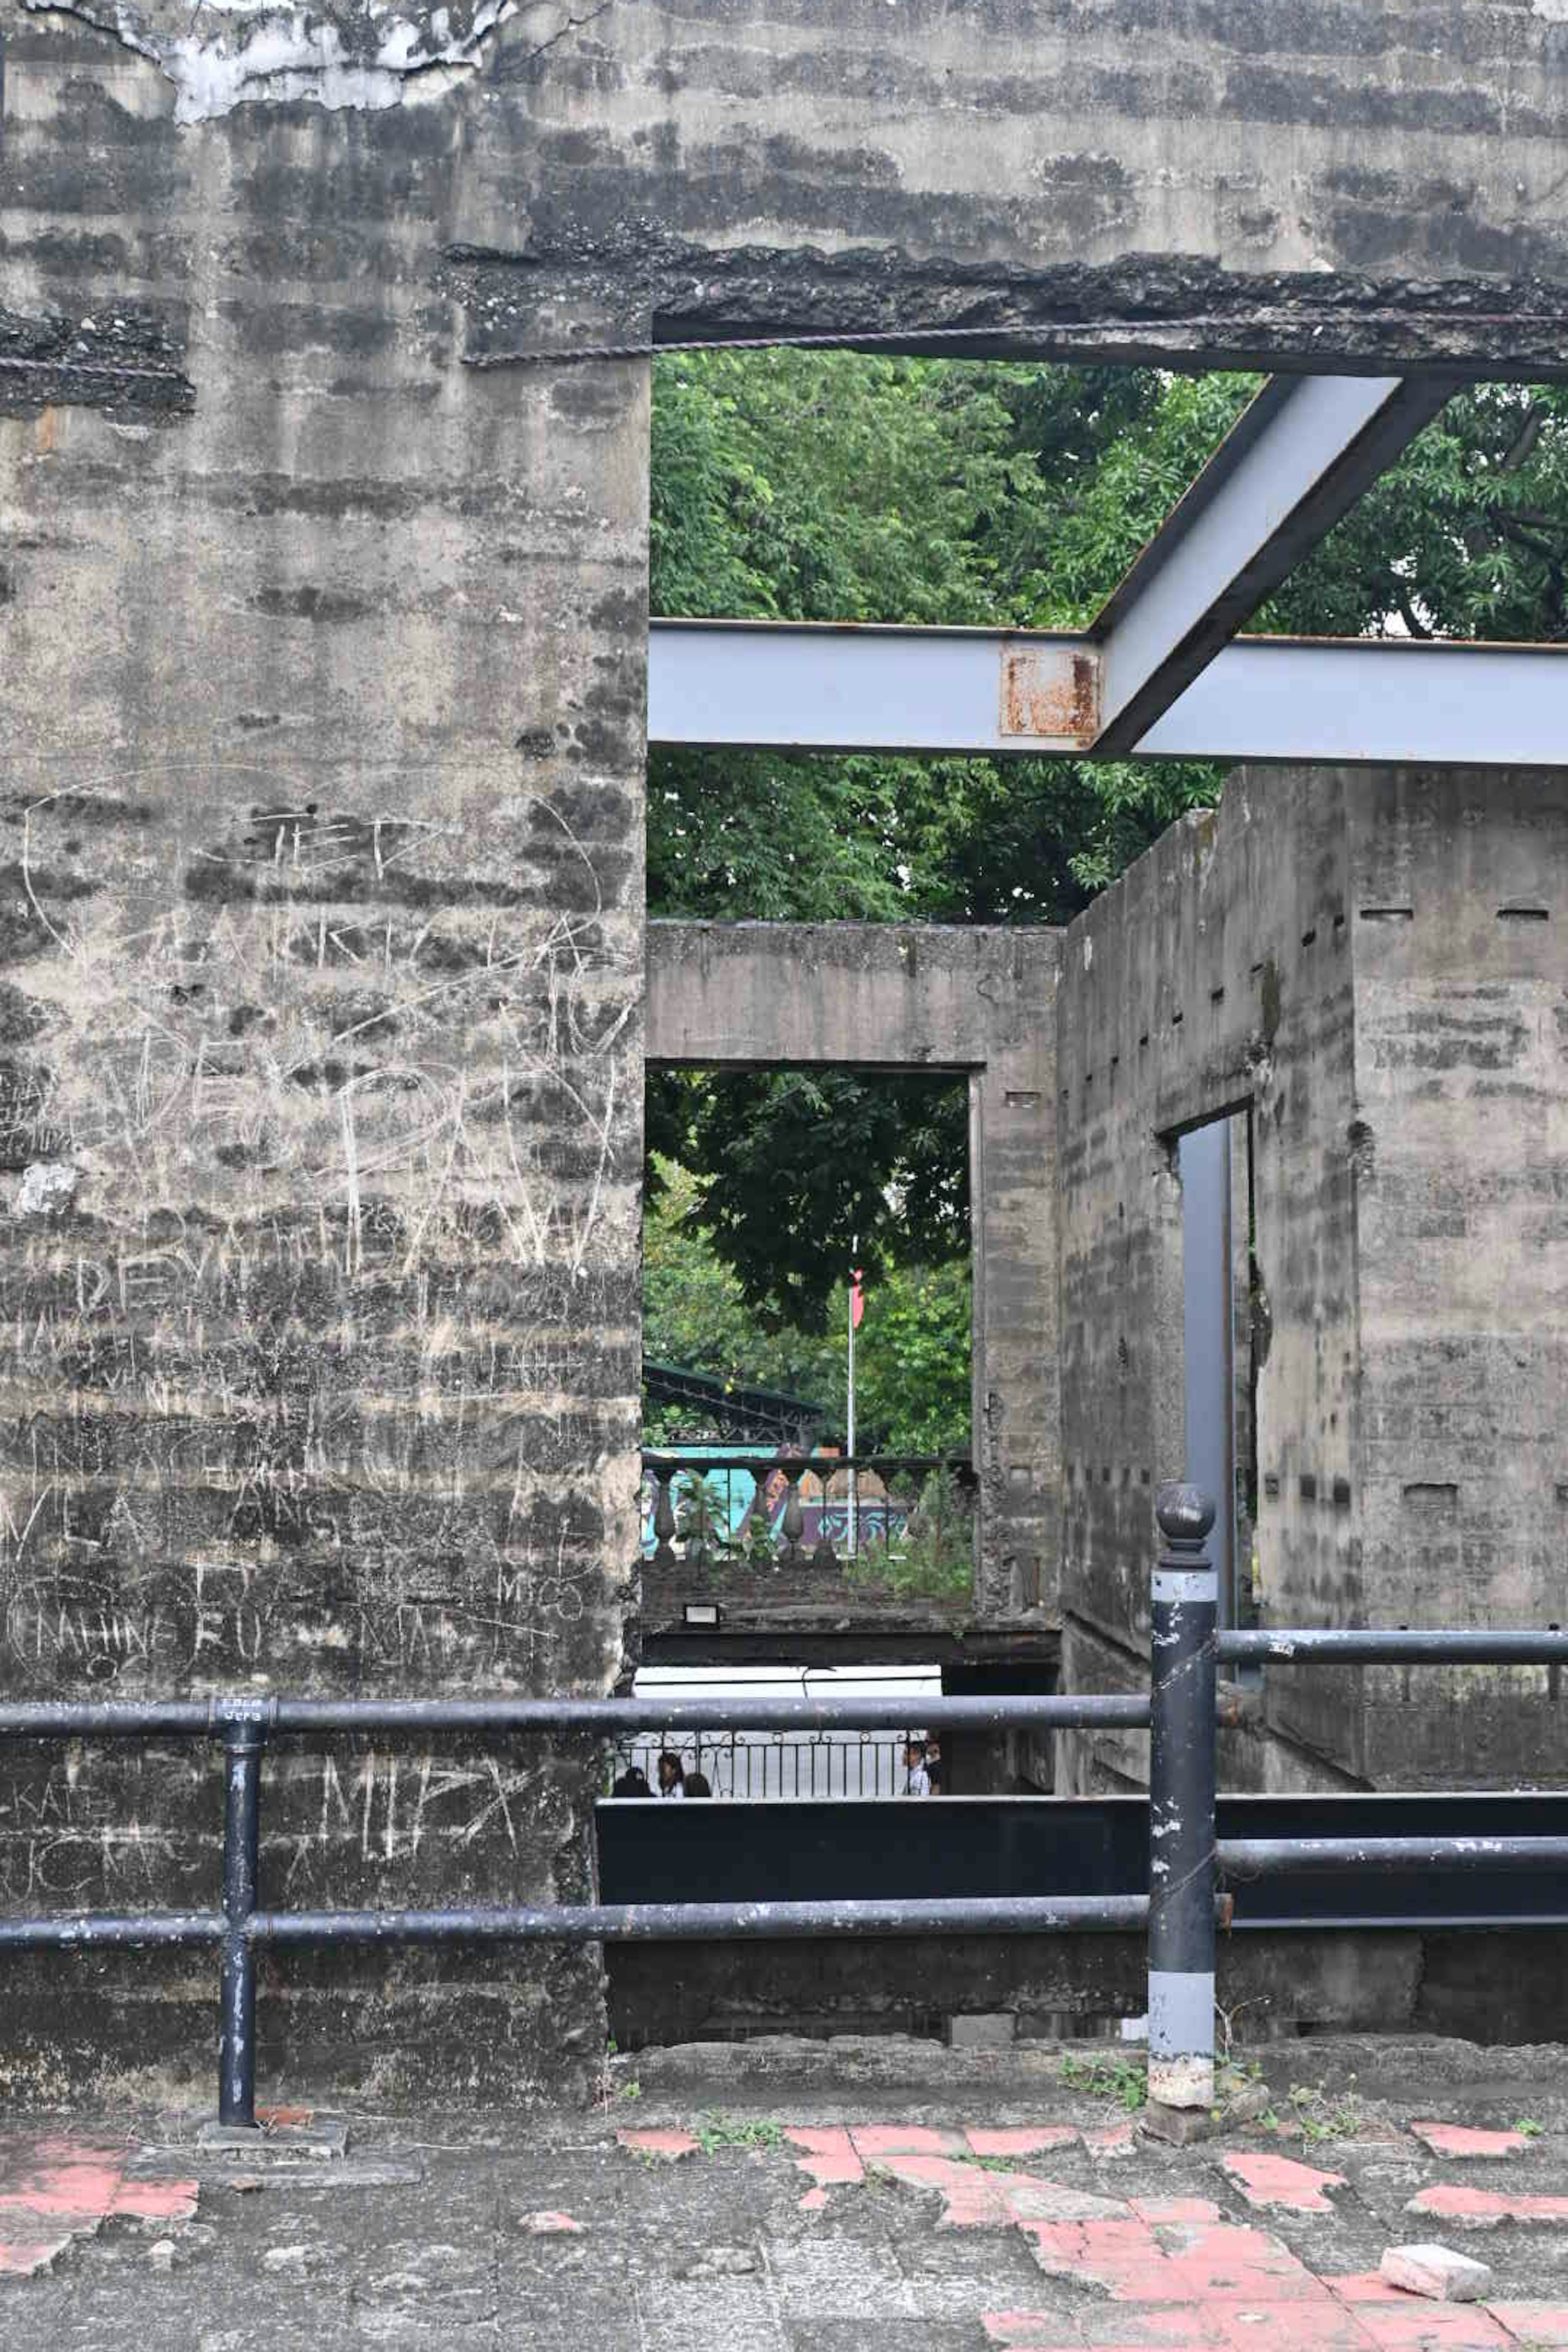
[{"x": 1219, "y": 1359}]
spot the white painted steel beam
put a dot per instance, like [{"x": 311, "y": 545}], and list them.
[
  {"x": 1293, "y": 463},
  {"x": 827, "y": 686},
  {"x": 1381, "y": 701},
  {"x": 800, "y": 687}
]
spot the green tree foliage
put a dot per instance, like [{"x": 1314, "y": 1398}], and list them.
[
  {"x": 811, "y": 486},
  {"x": 912, "y": 1362}
]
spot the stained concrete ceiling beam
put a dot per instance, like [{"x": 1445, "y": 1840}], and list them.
[
  {"x": 1292, "y": 466},
  {"x": 1380, "y": 700}
]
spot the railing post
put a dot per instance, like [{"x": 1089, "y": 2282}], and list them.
[
  {"x": 242, "y": 1746},
  {"x": 664, "y": 1519},
  {"x": 1183, "y": 1616},
  {"x": 789, "y": 1551}
]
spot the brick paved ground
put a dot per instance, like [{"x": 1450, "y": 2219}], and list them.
[{"x": 793, "y": 2205}]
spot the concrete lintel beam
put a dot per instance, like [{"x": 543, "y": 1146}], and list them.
[{"x": 1293, "y": 465}]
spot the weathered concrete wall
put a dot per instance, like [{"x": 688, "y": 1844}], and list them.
[
  {"x": 1461, "y": 1226},
  {"x": 1208, "y": 178},
  {"x": 1370, "y": 962},
  {"x": 322, "y": 943},
  {"x": 1487, "y": 1986},
  {"x": 890, "y": 997},
  {"x": 324, "y": 675},
  {"x": 1215, "y": 973}
]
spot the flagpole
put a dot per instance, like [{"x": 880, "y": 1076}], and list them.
[{"x": 854, "y": 1252}]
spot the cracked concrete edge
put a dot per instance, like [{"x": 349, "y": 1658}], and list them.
[{"x": 1394, "y": 2072}]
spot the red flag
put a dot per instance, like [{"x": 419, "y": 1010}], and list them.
[{"x": 856, "y": 1299}]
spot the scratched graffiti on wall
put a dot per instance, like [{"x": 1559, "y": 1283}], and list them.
[{"x": 320, "y": 1343}]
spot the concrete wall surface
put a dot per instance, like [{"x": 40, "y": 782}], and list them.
[
  {"x": 1371, "y": 962},
  {"x": 322, "y": 735}
]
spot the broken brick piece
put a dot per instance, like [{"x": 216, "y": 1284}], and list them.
[
  {"x": 1462, "y": 2140},
  {"x": 1266, "y": 2180},
  {"x": 829, "y": 2159},
  {"x": 1484, "y": 2209},
  {"x": 1032, "y": 2139},
  {"x": 668, "y": 2145},
  {"x": 906, "y": 2140},
  {"x": 1436, "y": 2271}
]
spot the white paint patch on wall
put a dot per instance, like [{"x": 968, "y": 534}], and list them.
[{"x": 226, "y": 53}]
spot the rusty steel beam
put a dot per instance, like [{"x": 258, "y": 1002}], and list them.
[
  {"x": 817, "y": 687},
  {"x": 1293, "y": 463}
]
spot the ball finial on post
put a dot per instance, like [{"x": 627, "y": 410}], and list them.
[{"x": 1185, "y": 1514}]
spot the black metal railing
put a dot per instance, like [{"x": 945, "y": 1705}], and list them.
[
  {"x": 809, "y": 1512},
  {"x": 245, "y": 1724},
  {"x": 1185, "y": 1903},
  {"x": 1187, "y": 1865}
]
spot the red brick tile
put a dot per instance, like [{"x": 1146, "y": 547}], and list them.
[
  {"x": 1032, "y": 2139},
  {"x": 1461, "y": 2140},
  {"x": 1111, "y": 2139},
  {"x": 975, "y": 2200},
  {"x": 813, "y": 2201},
  {"x": 284, "y": 2119},
  {"x": 1028, "y": 2331},
  {"x": 1485, "y": 2209},
  {"x": 906, "y": 2140},
  {"x": 551, "y": 2225},
  {"x": 53, "y": 2190},
  {"x": 1123, "y": 2257},
  {"x": 1414, "y": 2325},
  {"x": 156, "y": 2200},
  {"x": 667, "y": 2144},
  {"x": 1226, "y": 2262},
  {"x": 54, "y": 2182},
  {"x": 1030, "y": 2199},
  {"x": 1149, "y": 2326},
  {"x": 986, "y": 2200},
  {"x": 1365, "y": 2286},
  {"x": 22, "y": 2257},
  {"x": 1266, "y": 2180},
  {"x": 1533, "y": 2322},
  {"x": 1300, "y": 2326},
  {"x": 829, "y": 2161}
]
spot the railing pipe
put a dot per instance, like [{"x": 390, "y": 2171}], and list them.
[
  {"x": 243, "y": 1744},
  {"x": 612, "y": 1717},
  {"x": 1271, "y": 1857},
  {"x": 102, "y": 1931},
  {"x": 1332, "y": 1646},
  {"x": 1183, "y": 1611},
  {"x": 969, "y": 1914}
]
